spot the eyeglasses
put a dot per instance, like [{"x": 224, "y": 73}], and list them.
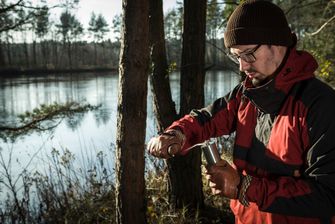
[{"x": 247, "y": 56}]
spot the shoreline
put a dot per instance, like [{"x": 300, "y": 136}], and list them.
[{"x": 14, "y": 71}]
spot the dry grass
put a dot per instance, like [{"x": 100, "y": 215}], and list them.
[{"x": 216, "y": 208}]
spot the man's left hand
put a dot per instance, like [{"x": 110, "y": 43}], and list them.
[{"x": 224, "y": 179}]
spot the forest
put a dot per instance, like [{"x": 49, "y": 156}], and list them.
[
  {"x": 62, "y": 44},
  {"x": 187, "y": 39},
  {"x": 31, "y": 40}
]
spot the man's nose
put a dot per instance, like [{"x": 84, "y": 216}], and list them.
[{"x": 244, "y": 66}]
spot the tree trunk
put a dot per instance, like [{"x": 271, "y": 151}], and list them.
[
  {"x": 26, "y": 54},
  {"x": 45, "y": 55},
  {"x": 55, "y": 53},
  {"x": 185, "y": 172},
  {"x": 8, "y": 48},
  {"x": 132, "y": 113},
  {"x": 164, "y": 107},
  {"x": 34, "y": 54},
  {"x": 192, "y": 64},
  {"x": 69, "y": 53},
  {"x": 2, "y": 57},
  {"x": 95, "y": 54},
  {"x": 185, "y": 183}
]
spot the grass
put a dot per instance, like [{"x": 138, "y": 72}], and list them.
[
  {"x": 216, "y": 208},
  {"x": 65, "y": 194}
]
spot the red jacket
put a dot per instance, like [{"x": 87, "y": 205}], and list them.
[{"x": 285, "y": 125}]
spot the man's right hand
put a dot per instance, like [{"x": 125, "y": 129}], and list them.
[{"x": 167, "y": 144}]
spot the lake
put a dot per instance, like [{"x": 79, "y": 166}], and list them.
[{"x": 84, "y": 135}]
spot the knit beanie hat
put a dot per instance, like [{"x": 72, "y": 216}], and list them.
[{"x": 258, "y": 22}]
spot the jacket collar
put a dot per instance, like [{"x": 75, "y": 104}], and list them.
[{"x": 269, "y": 97}]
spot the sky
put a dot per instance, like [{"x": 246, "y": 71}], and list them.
[{"x": 108, "y": 8}]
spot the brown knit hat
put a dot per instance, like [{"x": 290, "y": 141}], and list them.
[{"x": 257, "y": 22}]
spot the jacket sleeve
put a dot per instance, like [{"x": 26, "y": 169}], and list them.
[
  {"x": 312, "y": 194},
  {"x": 214, "y": 120}
]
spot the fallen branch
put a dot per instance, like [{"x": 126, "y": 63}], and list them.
[{"x": 45, "y": 118}]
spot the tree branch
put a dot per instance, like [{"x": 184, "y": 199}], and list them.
[
  {"x": 35, "y": 121},
  {"x": 10, "y": 7},
  {"x": 323, "y": 26},
  {"x": 299, "y": 3}
]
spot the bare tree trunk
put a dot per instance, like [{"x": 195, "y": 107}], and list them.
[
  {"x": 185, "y": 183},
  {"x": 132, "y": 113},
  {"x": 95, "y": 54},
  {"x": 2, "y": 57},
  {"x": 192, "y": 64},
  {"x": 9, "y": 52},
  {"x": 26, "y": 53},
  {"x": 34, "y": 54},
  {"x": 164, "y": 107},
  {"x": 55, "y": 53},
  {"x": 185, "y": 172},
  {"x": 45, "y": 55},
  {"x": 69, "y": 53}
]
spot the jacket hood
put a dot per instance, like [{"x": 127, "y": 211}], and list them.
[{"x": 299, "y": 66}]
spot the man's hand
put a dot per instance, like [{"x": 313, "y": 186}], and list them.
[
  {"x": 167, "y": 144},
  {"x": 224, "y": 179}
]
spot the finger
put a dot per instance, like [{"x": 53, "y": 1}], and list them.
[
  {"x": 156, "y": 151},
  {"x": 174, "y": 148},
  {"x": 169, "y": 152},
  {"x": 160, "y": 154},
  {"x": 209, "y": 168},
  {"x": 152, "y": 145},
  {"x": 216, "y": 191},
  {"x": 149, "y": 145},
  {"x": 155, "y": 148},
  {"x": 217, "y": 168},
  {"x": 212, "y": 184},
  {"x": 151, "y": 149},
  {"x": 222, "y": 163}
]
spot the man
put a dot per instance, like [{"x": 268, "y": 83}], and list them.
[{"x": 283, "y": 167}]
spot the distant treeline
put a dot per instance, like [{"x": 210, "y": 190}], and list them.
[
  {"x": 52, "y": 55},
  {"x": 57, "y": 56}
]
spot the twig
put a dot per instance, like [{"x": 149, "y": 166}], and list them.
[{"x": 323, "y": 26}]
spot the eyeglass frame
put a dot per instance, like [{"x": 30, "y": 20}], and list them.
[{"x": 245, "y": 56}]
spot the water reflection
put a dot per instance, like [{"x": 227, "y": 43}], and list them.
[
  {"x": 26, "y": 93},
  {"x": 87, "y": 133}
]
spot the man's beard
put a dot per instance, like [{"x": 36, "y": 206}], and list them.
[
  {"x": 256, "y": 82},
  {"x": 259, "y": 82}
]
